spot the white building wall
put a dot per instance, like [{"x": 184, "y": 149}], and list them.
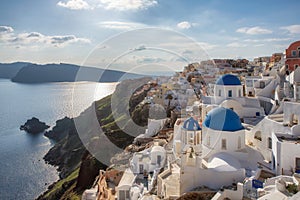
[
  {"x": 155, "y": 125},
  {"x": 224, "y": 89},
  {"x": 266, "y": 127},
  {"x": 297, "y": 91},
  {"x": 243, "y": 106},
  {"x": 290, "y": 109},
  {"x": 212, "y": 141},
  {"x": 285, "y": 156},
  {"x": 211, "y": 178},
  {"x": 268, "y": 90}
]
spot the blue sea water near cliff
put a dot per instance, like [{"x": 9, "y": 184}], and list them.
[{"x": 23, "y": 172}]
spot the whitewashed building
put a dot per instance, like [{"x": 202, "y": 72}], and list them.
[
  {"x": 228, "y": 92},
  {"x": 148, "y": 160},
  {"x": 125, "y": 184}
]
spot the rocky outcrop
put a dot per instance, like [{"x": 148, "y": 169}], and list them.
[
  {"x": 69, "y": 153},
  {"x": 61, "y": 129},
  {"x": 34, "y": 126},
  {"x": 89, "y": 169},
  {"x": 68, "y": 150}
]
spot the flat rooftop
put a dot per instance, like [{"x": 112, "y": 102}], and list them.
[
  {"x": 276, "y": 117},
  {"x": 288, "y": 138},
  {"x": 128, "y": 178}
]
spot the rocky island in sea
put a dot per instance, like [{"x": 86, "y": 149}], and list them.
[{"x": 34, "y": 126}]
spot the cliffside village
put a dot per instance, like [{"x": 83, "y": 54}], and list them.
[{"x": 233, "y": 133}]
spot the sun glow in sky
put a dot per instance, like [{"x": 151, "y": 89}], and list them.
[{"x": 68, "y": 30}]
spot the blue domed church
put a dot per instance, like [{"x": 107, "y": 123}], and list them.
[
  {"x": 228, "y": 93},
  {"x": 229, "y": 86},
  {"x": 222, "y": 132}
]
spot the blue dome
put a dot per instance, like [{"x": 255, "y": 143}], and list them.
[
  {"x": 223, "y": 119},
  {"x": 228, "y": 79},
  {"x": 191, "y": 125}
]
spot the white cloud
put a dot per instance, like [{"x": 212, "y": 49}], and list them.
[
  {"x": 34, "y": 39},
  {"x": 207, "y": 46},
  {"x": 293, "y": 29},
  {"x": 267, "y": 40},
  {"x": 6, "y": 29},
  {"x": 256, "y": 30},
  {"x": 127, "y": 4},
  {"x": 184, "y": 25},
  {"x": 120, "y": 25},
  {"x": 236, "y": 45},
  {"x": 65, "y": 39},
  {"x": 259, "y": 45},
  {"x": 148, "y": 59},
  {"x": 75, "y": 5},
  {"x": 139, "y": 48}
]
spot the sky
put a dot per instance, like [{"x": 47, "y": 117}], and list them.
[{"x": 143, "y": 32}]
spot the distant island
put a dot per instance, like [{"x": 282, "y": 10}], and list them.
[
  {"x": 34, "y": 73},
  {"x": 10, "y": 70}
]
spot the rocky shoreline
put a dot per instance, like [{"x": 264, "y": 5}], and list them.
[{"x": 77, "y": 168}]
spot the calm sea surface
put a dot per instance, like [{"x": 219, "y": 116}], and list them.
[{"x": 23, "y": 172}]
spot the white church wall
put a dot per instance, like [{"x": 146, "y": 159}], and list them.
[
  {"x": 224, "y": 91},
  {"x": 212, "y": 140}
]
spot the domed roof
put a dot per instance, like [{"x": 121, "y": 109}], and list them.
[
  {"x": 228, "y": 79},
  {"x": 191, "y": 124},
  {"x": 296, "y": 43},
  {"x": 223, "y": 119}
]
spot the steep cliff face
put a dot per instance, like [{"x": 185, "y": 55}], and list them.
[{"x": 79, "y": 168}]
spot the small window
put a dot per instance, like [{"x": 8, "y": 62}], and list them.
[
  {"x": 191, "y": 139},
  {"x": 270, "y": 143},
  {"x": 294, "y": 53},
  {"x": 229, "y": 93},
  {"x": 219, "y": 93},
  {"x": 240, "y": 93},
  {"x": 257, "y": 135},
  {"x": 239, "y": 142},
  {"x": 224, "y": 147},
  {"x": 296, "y": 66},
  {"x": 262, "y": 84}
]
